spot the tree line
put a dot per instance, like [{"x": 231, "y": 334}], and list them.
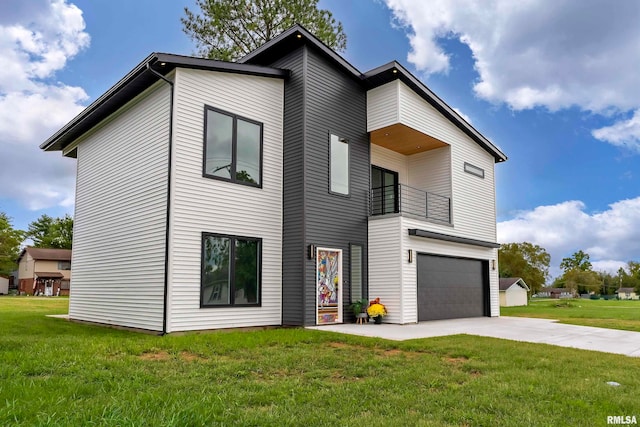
[
  {"x": 531, "y": 263},
  {"x": 45, "y": 232}
]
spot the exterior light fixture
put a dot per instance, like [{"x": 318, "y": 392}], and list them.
[
  {"x": 493, "y": 264},
  {"x": 395, "y": 71},
  {"x": 312, "y": 252},
  {"x": 410, "y": 253},
  {"x": 299, "y": 36}
]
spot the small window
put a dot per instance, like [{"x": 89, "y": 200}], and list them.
[
  {"x": 473, "y": 170},
  {"x": 230, "y": 271},
  {"x": 339, "y": 165},
  {"x": 64, "y": 265},
  {"x": 232, "y": 148},
  {"x": 357, "y": 293},
  {"x": 64, "y": 285}
]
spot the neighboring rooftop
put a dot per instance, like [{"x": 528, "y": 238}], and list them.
[
  {"x": 507, "y": 282},
  {"x": 46, "y": 254}
]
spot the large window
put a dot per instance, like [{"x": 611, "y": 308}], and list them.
[
  {"x": 339, "y": 165},
  {"x": 230, "y": 270},
  {"x": 232, "y": 148}
]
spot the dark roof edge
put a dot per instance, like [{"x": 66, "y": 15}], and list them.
[
  {"x": 297, "y": 28},
  {"x": 138, "y": 69},
  {"x": 448, "y": 238},
  {"x": 166, "y": 63},
  {"x": 433, "y": 99}
]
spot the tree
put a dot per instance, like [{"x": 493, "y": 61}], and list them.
[
  {"x": 47, "y": 232},
  {"x": 525, "y": 260},
  {"x": 579, "y": 260},
  {"x": 10, "y": 240},
  {"x": 582, "y": 281},
  {"x": 229, "y": 29}
]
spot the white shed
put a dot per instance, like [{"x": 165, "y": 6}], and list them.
[
  {"x": 4, "y": 285},
  {"x": 513, "y": 292}
]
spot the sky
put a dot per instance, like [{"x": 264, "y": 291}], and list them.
[{"x": 554, "y": 84}]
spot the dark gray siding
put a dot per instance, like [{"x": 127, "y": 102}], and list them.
[
  {"x": 320, "y": 100},
  {"x": 293, "y": 250},
  {"x": 334, "y": 103}
]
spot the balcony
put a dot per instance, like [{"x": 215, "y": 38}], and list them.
[{"x": 408, "y": 200}]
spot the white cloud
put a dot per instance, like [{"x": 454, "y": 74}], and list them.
[
  {"x": 625, "y": 133},
  {"x": 611, "y": 238},
  {"x": 463, "y": 115},
  {"x": 535, "y": 53},
  {"x": 37, "y": 38}
]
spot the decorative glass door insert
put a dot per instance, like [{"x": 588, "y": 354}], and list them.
[{"x": 329, "y": 285}]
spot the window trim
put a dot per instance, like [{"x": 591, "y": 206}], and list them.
[
  {"x": 234, "y": 147},
  {"x": 346, "y": 141},
  {"x": 363, "y": 291},
  {"x": 62, "y": 264},
  {"x": 232, "y": 269},
  {"x": 474, "y": 170}
]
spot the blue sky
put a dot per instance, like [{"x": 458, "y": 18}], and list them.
[{"x": 554, "y": 85}]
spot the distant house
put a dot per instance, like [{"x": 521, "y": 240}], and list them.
[
  {"x": 627, "y": 293},
  {"x": 513, "y": 292},
  {"x": 44, "y": 271},
  {"x": 556, "y": 293}
]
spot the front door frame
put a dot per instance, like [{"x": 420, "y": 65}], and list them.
[{"x": 329, "y": 285}]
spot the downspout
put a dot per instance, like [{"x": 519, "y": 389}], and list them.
[{"x": 169, "y": 170}]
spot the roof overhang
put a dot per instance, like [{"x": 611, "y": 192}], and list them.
[
  {"x": 395, "y": 71},
  {"x": 135, "y": 82},
  {"x": 448, "y": 238}
]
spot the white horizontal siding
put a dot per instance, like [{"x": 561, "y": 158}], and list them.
[
  {"x": 473, "y": 198},
  {"x": 205, "y": 205},
  {"x": 431, "y": 171},
  {"x": 120, "y": 216},
  {"x": 382, "y": 106},
  {"x": 389, "y": 159},
  {"x": 385, "y": 259},
  {"x": 440, "y": 247}
]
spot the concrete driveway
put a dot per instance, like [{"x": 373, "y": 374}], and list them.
[{"x": 511, "y": 328}]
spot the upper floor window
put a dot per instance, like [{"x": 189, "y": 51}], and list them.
[
  {"x": 64, "y": 265},
  {"x": 339, "y": 165},
  {"x": 473, "y": 170},
  {"x": 232, "y": 148}
]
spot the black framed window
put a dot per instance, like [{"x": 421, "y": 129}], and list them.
[
  {"x": 473, "y": 170},
  {"x": 232, "y": 148},
  {"x": 384, "y": 191},
  {"x": 231, "y": 268},
  {"x": 64, "y": 265},
  {"x": 338, "y": 165}
]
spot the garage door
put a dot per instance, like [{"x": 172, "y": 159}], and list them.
[{"x": 450, "y": 288}]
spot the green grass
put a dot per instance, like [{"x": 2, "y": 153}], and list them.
[
  {"x": 54, "y": 372},
  {"x": 612, "y": 314}
]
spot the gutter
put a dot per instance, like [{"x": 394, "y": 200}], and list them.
[{"x": 166, "y": 238}]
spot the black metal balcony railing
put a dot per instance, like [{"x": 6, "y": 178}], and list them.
[{"x": 405, "y": 199}]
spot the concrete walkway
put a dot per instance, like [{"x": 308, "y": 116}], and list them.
[{"x": 511, "y": 328}]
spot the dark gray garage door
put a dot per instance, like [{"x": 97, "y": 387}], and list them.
[{"x": 449, "y": 288}]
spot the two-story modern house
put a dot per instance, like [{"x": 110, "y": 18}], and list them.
[{"x": 276, "y": 190}]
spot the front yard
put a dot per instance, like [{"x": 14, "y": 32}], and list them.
[
  {"x": 54, "y": 372},
  {"x": 601, "y": 313}
]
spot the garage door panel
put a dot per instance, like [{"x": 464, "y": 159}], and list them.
[{"x": 450, "y": 288}]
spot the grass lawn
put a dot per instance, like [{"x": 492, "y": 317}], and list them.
[
  {"x": 612, "y": 314},
  {"x": 54, "y": 372}
]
